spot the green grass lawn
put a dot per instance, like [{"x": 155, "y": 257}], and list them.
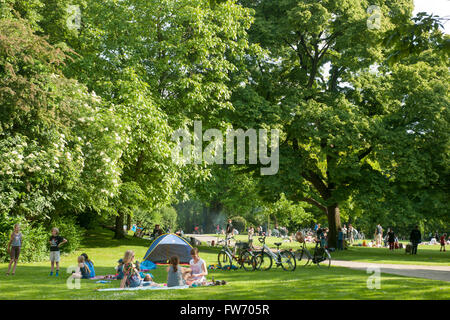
[
  {"x": 426, "y": 254},
  {"x": 33, "y": 282}
]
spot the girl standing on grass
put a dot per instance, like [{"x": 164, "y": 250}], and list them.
[
  {"x": 131, "y": 276},
  {"x": 14, "y": 245}
]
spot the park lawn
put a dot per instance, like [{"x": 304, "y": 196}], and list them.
[
  {"x": 426, "y": 254},
  {"x": 33, "y": 282}
]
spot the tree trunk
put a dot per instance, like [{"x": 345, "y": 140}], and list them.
[
  {"x": 118, "y": 232},
  {"x": 334, "y": 222},
  {"x": 128, "y": 222}
]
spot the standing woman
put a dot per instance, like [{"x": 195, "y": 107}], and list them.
[{"x": 14, "y": 245}]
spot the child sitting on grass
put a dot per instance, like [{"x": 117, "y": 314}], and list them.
[
  {"x": 175, "y": 274},
  {"x": 132, "y": 277},
  {"x": 82, "y": 270}
]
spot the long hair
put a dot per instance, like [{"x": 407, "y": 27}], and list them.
[
  {"x": 174, "y": 261},
  {"x": 86, "y": 258},
  {"x": 82, "y": 260},
  {"x": 128, "y": 256}
]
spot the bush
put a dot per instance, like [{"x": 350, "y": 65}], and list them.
[{"x": 239, "y": 224}]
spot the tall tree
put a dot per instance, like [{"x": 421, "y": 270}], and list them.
[{"x": 325, "y": 82}]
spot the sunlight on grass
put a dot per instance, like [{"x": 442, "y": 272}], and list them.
[{"x": 33, "y": 282}]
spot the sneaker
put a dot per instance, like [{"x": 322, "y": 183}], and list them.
[
  {"x": 51, "y": 273},
  {"x": 57, "y": 272}
]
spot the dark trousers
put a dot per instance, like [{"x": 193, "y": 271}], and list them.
[
  {"x": 414, "y": 248},
  {"x": 391, "y": 245},
  {"x": 340, "y": 244}
]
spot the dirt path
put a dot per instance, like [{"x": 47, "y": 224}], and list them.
[{"x": 416, "y": 271}]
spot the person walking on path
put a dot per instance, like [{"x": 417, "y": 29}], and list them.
[
  {"x": 229, "y": 231},
  {"x": 350, "y": 232},
  {"x": 340, "y": 244},
  {"x": 14, "y": 245},
  {"x": 391, "y": 239},
  {"x": 251, "y": 231},
  {"x": 442, "y": 240},
  {"x": 415, "y": 238}
]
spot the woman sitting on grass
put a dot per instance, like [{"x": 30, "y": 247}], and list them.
[
  {"x": 131, "y": 276},
  {"x": 198, "y": 269}
]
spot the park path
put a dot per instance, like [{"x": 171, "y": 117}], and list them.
[{"x": 416, "y": 271}]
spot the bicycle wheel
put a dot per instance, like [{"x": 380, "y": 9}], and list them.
[
  {"x": 287, "y": 260},
  {"x": 247, "y": 260},
  {"x": 263, "y": 261},
  {"x": 303, "y": 257},
  {"x": 224, "y": 260},
  {"x": 323, "y": 258}
]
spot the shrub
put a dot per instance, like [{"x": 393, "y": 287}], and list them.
[{"x": 239, "y": 223}]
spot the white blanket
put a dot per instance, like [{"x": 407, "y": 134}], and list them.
[{"x": 144, "y": 288}]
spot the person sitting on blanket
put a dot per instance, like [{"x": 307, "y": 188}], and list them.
[
  {"x": 82, "y": 271},
  {"x": 119, "y": 269},
  {"x": 145, "y": 276},
  {"x": 198, "y": 269},
  {"x": 175, "y": 273},
  {"x": 90, "y": 264},
  {"x": 131, "y": 277}
]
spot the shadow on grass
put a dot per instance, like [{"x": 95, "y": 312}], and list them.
[{"x": 103, "y": 238}]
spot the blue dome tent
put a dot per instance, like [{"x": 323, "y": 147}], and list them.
[{"x": 168, "y": 245}]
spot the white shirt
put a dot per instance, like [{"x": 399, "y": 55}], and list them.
[{"x": 197, "y": 269}]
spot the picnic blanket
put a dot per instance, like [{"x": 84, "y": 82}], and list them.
[
  {"x": 108, "y": 277},
  {"x": 144, "y": 288}
]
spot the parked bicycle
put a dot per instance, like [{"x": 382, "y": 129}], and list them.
[
  {"x": 244, "y": 257},
  {"x": 320, "y": 255},
  {"x": 265, "y": 257}
]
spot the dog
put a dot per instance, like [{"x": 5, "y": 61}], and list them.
[{"x": 408, "y": 248}]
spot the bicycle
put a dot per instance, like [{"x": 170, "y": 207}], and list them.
[
  {"x": 265, "y": 257},
  {"x": 245, "y": 258},
  {"x": 321, "y": 255}
]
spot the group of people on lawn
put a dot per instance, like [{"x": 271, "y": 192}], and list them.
[
  {"x": 128, "y": 271},
  {"x": 131, "y": 276}
]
